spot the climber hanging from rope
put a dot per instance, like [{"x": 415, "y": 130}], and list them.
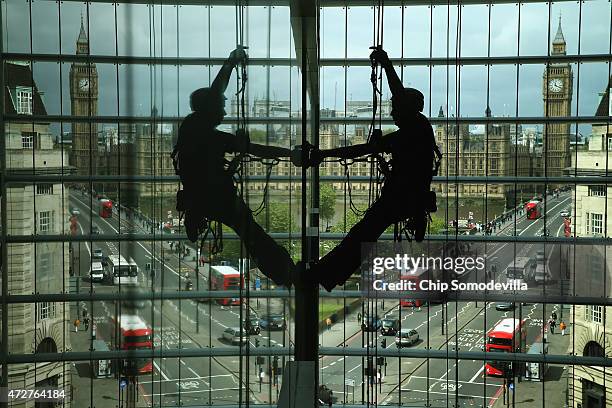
[
  {"x": 405, "y": 195},
  {"x": 209, "y": 193}
]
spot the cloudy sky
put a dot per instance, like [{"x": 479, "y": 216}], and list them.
[{"x": 199, "y": 31}]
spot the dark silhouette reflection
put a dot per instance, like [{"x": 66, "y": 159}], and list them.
[
  {"x": 406, "y": 192},
  {"x": 209, "y": 193}
]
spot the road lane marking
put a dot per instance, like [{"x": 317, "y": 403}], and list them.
[
  {"x": 160, "y": 371},
  {"x": 476, "y": 375},
  {"x": 191, "y": 392},
  {"x": 450, "y": 393}
]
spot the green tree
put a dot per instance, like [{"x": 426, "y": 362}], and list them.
[
  {"x": 437, "y": 224},
  {"x": 327, "y": 203}
]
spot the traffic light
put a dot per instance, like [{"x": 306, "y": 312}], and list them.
[
  {"x": 383, "y": 343},
  {"x": 256, "y": 342},
  {"x": 380, "y": 361},
  {"x": 259, "y": 360}
]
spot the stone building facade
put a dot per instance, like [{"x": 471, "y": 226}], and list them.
[{"x": 35, "y": 209}]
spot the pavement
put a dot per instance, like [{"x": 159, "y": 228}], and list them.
[
  {"x": 554, "y": 388},
  {"x": 89, "y": 391}
]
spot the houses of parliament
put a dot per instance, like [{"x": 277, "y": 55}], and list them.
[{"x": 493, "y": 150}]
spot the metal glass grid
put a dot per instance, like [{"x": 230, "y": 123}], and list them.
[{"x": 429, "y": 62}]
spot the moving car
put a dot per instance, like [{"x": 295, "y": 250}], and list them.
[
  {"x": 97, "y": 254},
  {"x": 75, "y": 211},
  {"x": 232, "y": 334},
  {"x": 564, "y": 213},
  {"x": 95, "y": 230},
  {"x": 251, "y": 326},
  {"x": 272, "y": 322},
  {"x": 389, "y": 327},
  {"x": 504, "y": 306},
  {"x": 406, "y": 337},
  {"x": 370, "y": 323},
  {"x": 97, "y": 272}
]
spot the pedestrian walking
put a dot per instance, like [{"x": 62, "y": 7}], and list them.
[
  {"x": 552, "y": 325},
  {"x": 77, "y": 323},
  {"x": 329, "y": 323},
  {"x": 562, "y": 326}
]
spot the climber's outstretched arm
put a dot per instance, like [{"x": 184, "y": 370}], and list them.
[
  {"x": 219, "y": 85},
  {"x": 268, "y": 152},
  {"x": 348, "y": 152},
  {"x": 395, "y": 84}
]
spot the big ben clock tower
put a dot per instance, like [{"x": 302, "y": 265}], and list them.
[
  {"x": 557, "y": 91},
  {"x": 84, "y": 102}
]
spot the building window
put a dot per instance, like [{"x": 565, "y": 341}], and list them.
[
  {"x": 46, "y": 310},
  {"x": 28, "y": 140},
  {"x": 597, "y": 191},
  {"x": 44, "y": 221},
  {"x": 593, "y": 314},
  {"x": 44, "y": 189},
  {"x": 594, "y": 223},
  {"x": 24, "y": 102}
]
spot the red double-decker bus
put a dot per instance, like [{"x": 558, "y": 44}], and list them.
[
  {"x": 415, "y": 276},
  {"x": 533, "y": 209},
  {"x": 105, "y": 208},
  {"x": 506, "y": 337},
  {"x": 132, "y": 333},
  {"x": 223, "y": 277}
]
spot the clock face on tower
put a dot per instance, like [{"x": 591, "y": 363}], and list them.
[
  {"x": 555, "y": 85},
  {"x": 84, "y": 84}
]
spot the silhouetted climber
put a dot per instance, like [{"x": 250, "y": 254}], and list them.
[
  {"x": 405, "y": 194},
  {"x": 209, "y": 193}
]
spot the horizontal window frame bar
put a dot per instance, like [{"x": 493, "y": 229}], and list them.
[
  {"x": 331, "y": 236},
  {"x": 284, "y": 294},
  {"x": 442, "y": 354},
  {"x": 322, "y": 4},
  {"x": 323, "y": 62},
  {"x": 26, "y": 176},
  {"x": 232, "y": 120}
]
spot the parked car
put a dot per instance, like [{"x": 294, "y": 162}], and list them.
[
  {"x": 97, "y": 254},
  {"x": 564, "y": 213},
  {"x": 252, "y": 326},
  {"x": 272, "y": 322},
  {"x": 370, "y": 323},
  {"x": 504, "y": 306},
  {"x": 389, "y": 327},
  {"x": 406, "y": 337},
  {"x": 232, "y": 334}
]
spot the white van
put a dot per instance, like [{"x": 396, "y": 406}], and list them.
[{"x": 97, "y": 272}]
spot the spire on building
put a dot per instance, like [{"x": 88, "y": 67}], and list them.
[
  {"x": 82, "y": 45},
  {"x": 488, "y": 112},
  {"x": 559, "y": 45},
  {"x": 441, "y": 112},
  {"x": 82, "y": 33},
  {"x": 559, "y": 38}
]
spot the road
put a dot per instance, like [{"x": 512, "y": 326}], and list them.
[{"x": 191, "y": 324}]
